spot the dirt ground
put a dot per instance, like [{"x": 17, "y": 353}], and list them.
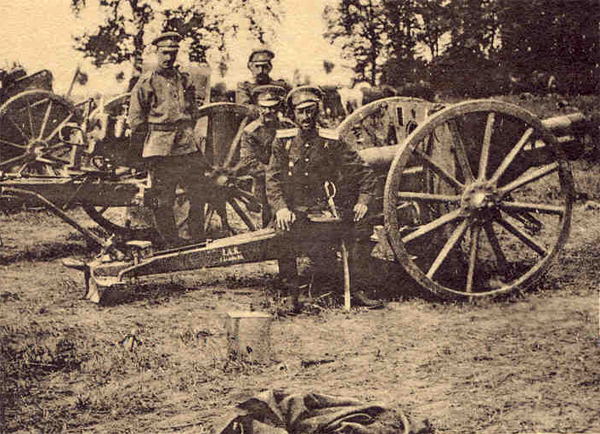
[
  {"x": 155, "y": 360},
  {"x": 528, "y": 363}
]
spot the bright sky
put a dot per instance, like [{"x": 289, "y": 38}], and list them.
[{"x": 37, "y": 33}]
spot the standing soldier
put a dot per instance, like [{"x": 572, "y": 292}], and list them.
[
  {"x": 257, "y": 139},
  {"x": 162, "y": 116},
  {"x": 303, "y": 160},
  {"x": 259, "y": 64}
]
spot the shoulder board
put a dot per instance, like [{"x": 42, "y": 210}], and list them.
[
  {"x": 252, "y": 126},
  {"x": 287, "y": 133},
  {"x": 329, "y": 134}
]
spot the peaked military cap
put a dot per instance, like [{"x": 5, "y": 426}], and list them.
[
  {"x": 167, "y": 41},
  {"x": 303, "y": 96},
  {"x": 261, "y": 56},
  {"x": 268, "y": 95}
]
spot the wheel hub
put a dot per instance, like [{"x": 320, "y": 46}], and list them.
[
  {"x": 478, "y": 200},
  {"x": 37, "y": 147}
]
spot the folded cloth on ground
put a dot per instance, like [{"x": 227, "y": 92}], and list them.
[{"x": 279, "y": 412}]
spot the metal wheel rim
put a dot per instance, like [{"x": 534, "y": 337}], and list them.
[
  {"x": 41, "y": 131},
  {"x": 400, "y": 163}
]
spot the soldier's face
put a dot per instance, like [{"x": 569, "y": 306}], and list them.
[
  {"x": 268, "y": 114},
  {"x": 166, "y": 58},
  {"x": 306, "y": 117},
  {"x": 260, "y": 72}
]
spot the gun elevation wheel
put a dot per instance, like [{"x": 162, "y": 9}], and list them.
[{"x": 494, "y": 193}]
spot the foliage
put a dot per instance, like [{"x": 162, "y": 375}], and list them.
[
  {"x": 129, "y": 25},
  {"x": 394, "y": 42},
  {"x": 361, "y": 26}
]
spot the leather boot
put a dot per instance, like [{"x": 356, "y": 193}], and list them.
[
  {"x": 361, "y": 299},
  {"x": 196, "y": 222},
  {"x": 164, "y": 222}
]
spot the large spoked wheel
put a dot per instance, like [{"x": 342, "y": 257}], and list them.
[
  {"x": 488, "y": 221},
  {"x": 228, "y": 209},
  {"x": 235, "y": 206},
  {"x": 384, "y": 122},
  {"x": 30, "y": 133}
]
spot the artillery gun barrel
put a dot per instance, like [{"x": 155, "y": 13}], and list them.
[{"x": 566, "y": 127}]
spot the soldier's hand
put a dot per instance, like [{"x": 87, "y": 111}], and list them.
[
  {"x": 284, "y": 219},
  {"x": 360, "y": 210}
]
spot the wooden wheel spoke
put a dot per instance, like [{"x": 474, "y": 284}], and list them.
[
  {"x": 512, "y": 154},
  {"x": 235, "y": 143},
  {"x": 533, "y": 207},
  {"x": 441, "y": 257},
  {"x": 431, "y": 226},
  {"x": 49, "y": 159},
  {"x": 496, "y": 248},
  {"x": 14, "y": 145},
  {"x": 41, "y": 101},
  {"x": 59, "y": 127},
  {"x": 21, "y": 158},
  {"x": 45, "y": 121},
  {"x": 25, "y": 136},
  {"x": 475, "y": 231},
  {"x": 442, "y": 173},
  {"x": 240, "y": 212},
  {"x": 428, "y": 197},
  {"x": 510, "y": 225},
  {"x": 461, "y": 151},
  {"x": 529, "y": 177},
  {"x": 485, "y": 148},
  {"x": 30, "y": 116},
  {"x": 210, "y": 213}
]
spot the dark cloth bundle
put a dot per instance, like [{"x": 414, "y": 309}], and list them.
[{"x": 278, "y": 412}]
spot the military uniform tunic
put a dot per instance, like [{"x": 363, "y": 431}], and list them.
[
  {"x": 164, "y": 100},
  {"x": 302, "y": 161},
  {"x": 255, "y": 153}
]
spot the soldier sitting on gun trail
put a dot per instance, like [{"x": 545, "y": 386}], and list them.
[
  {"x": 303, "y": 160},
  {"x": 259, "y": 64},
  {"x": 257, "y": 140},
  {"x": 162, "y": 115}
]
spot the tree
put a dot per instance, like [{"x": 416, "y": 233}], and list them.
[
  {"x": 432, "y": 16},
  {"x": 550, "y": 35},
  {"x": 360, "y": 26},
  {"x": 206, "y": 25}
]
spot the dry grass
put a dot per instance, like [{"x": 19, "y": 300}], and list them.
[{"x": 155, "y": 360}]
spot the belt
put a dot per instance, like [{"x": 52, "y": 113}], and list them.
[{"x": 170, "y": 126}]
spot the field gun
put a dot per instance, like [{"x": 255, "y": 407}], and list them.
[{"x": 475, "y": 200}]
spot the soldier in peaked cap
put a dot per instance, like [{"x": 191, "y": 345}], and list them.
[
  {"x": 257, "y": 139},
  {"x": 303, "y": 159},
  {"x": 260, "y": 65},
  {"x": 162, "y": 115}
]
